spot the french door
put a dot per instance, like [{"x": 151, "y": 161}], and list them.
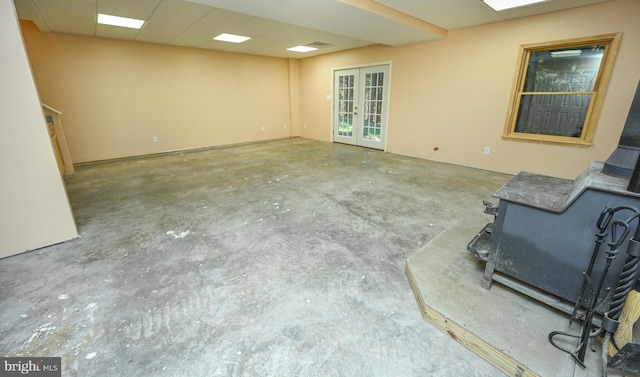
[{"x": 360, "y": 106}]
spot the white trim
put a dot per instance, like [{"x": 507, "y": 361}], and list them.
[
  {"x": 388, "y": 104},
  {"x": 388, "y": 62},
  {"x": 51, "y": 108}
]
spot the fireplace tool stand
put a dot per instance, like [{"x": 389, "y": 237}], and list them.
[{"x": 616, "y": 233}]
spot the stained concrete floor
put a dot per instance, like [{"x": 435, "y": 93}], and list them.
[{"x": 282, "y": 258}]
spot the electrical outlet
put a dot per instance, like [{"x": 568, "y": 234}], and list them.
[
  {"x": 285, "y": 126},
  {"x": 262, "y": 128},
  {"x": 155, "y": 139},
  {"x": 487, "y": 150},
  {"x": 305, "y": 126}
]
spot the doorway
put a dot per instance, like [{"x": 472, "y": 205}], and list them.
[{"x": 360, "y": 106}]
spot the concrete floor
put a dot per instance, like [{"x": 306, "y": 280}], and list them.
[{"x": 283, "y": 258}]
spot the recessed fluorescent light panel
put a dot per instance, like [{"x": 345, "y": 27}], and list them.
[
  {"x": 107, "y": 19},
  {"x": 224, "y": 37},
  {"x": 302, "y": 49},
  {"x": 565, "y": 53},
  {"x": 499, "y": 5}
]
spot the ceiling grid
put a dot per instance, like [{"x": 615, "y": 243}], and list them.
[{"x": 275, "y": 25}]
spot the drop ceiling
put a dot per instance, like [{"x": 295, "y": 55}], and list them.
[{"x": 275, "y": 25}]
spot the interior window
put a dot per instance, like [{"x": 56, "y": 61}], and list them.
[{"x": 559, "y": 90}]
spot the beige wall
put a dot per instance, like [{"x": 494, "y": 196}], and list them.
[
  {"x": 117, "y": 95},
  {"x": 34, "y": 211},
  {"x": 294, "y": 97},
  {"x": 453, "y": 93}
]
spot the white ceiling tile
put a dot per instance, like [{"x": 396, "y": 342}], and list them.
[
  {"x": 273, "y": 25},
  {"x": 82, "y": 25},
  {"x": 182, "y": 8},
  {"x": 330, "y": 16},
  {"x": 67, "y": 26},
  {"x": 64, "y": 5},
  {"x": 28, "y": 11},
  {"x": 106, "y": 31},
  {"x": 157, "y": 33},
  {"x": 255, "y": 27},
  {"x": 139, "y": 9},
  {"x": 216, "y": 45},
  {"x": 224, "y": 17},
  {"x": 286, "y": 33},
  {"x": 449, "y": 14},
  {"x": 69, "y": 16},
  {"x": 173, "y": 21},
  {"x": 566, "y": 4},
  {"x": 196, "y": 35}
]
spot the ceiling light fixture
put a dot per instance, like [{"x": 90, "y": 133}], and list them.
[
  {"x": 565, "y": 53},
  {"x": 499, "y": 5},
  {"x": 107, "y": 19},
  {"x": 302, "y": 49},
  {"x": 224, "y": 37}
]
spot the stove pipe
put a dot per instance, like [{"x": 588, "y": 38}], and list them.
[{"x": 623, "y": 159}]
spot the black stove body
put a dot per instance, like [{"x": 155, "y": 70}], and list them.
[{"x": 542, "y": 238}]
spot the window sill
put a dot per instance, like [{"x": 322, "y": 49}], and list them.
[{"x": 548, "y": 139}]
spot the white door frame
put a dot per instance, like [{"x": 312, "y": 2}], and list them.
[{"x": 386, "y": 99}]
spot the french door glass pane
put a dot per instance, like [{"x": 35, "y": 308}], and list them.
[
  {"x": 345, "y": 105},
  {"x": 373, "y": 106}
]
